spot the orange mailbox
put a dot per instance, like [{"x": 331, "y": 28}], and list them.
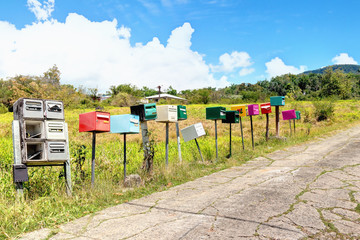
[
  {"x": 94, "y": 122},
  {"x": 265, "y": 108}
]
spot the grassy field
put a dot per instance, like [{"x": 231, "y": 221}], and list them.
[{"x": 46, "y": 204}]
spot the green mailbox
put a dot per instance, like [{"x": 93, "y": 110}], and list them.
[
  {"x": 215, "y": 113},
  {"x": 231, "y": 117},
  {"x": 181, "y": 112},
  {"x": 144, "y": 111},
  {"x": 277, "y": 101},
  {"x": 298, "y": 115}
]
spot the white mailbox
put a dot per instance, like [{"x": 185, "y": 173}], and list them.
[
  {"x": 55, "y": 130},
  {"x": 54, "y": 110},
  {"x": 56, "y": 151},
  {"x": 193, "y": 132},
  {"x": 166, "y": 113}
]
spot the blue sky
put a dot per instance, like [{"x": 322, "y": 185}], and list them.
[{"x": 183, "y": 43}]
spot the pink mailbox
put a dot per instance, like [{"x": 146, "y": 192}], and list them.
[
  {"x": 288, "y": 114},
  {"x": 253, "y": 109}
]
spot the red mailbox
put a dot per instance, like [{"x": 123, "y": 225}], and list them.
[
  {"x": 94, "y": 122},
  {"x": 265, "y": 108}
]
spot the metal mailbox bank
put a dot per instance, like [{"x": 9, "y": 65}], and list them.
[{"x": 40, "y": 138}]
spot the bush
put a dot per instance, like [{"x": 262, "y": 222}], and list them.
[
  {"x": 323, "y": 110},
  {"x": 123, "y": 99}
]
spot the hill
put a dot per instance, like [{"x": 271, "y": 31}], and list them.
[{"x": 346, "y": 68}]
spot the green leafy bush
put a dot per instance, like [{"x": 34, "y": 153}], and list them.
[{"x": 323, "y": 110}]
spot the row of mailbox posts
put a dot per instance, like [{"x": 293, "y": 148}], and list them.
[{"x": 40, "y": 134}]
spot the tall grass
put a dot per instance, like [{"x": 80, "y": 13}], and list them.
[{"x": 46, "y": 204}]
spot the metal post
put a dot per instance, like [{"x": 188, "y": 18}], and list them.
[
  {"x": 267, "y": 127},
  {"x": 17, "y": 154},
  {"x": 197, "y": 144},
  {"x": 294, "y": 127},
  {"x": 167, "y": 145},
  {"x": 277, "y": 120},
  {"x": 252, "y": 132},
  {"x": 242, "y": 134},
  {"x": 216, "y": 140},
  {"x": 67, "y": 167},
  {"x": 230, "y": 141},
  {"x": 178, "y": 141},
  {"x": 290, "y": 127},
  {"x": 93, "y": 159},
  {"x": 124, "y": 156}
]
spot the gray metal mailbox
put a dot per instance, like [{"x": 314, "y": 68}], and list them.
[
  {"x": 54, "y": 110},
  {"x": 29, "y": 109},
  {"x": 55, "y": 130},
  {"x": 193, "y": 132},
  {"x": 56, "y": 151}
]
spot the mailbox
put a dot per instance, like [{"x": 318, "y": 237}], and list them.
[
  {"x": 54, "y": 110},
  {"x": 28, "y": 108},
  {"x": 231, "y": 117},
  {"x": 215, "y": 113},
  {"x": 55, "y": 130},
  {"x": 298, "y": 115},
  {"x": 193, "y": 132},
  {"x": 145, "y": 112},
  {"x": 288, "y": 114},
  {"x": 35, "y": 152},
  {"x": 167, "y": 113},
  {"x": 241, "y": 109},
  {"x": 253, "y": 109},
  {"x": 124, "y": 124},
  {"x": 20, "y": 173},
  {"x": 33, "y": 129},
  {"x": 265, "y": 108},
  {"x": 181, "y": 112},
  {"x": 277, "y": 101},
  {"x": 56, "y": 151},
  {"x": 94, "y": 122}
]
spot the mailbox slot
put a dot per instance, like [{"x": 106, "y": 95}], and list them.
[
  {"x": 34, "y": 129},
  {"x": 55, "y": 130},
  {"x": 167, "y": 113},
  {"x": 215, "y": 113},
  {"x": 126, "y": 123},
  {"x": 277, "y": 101},
  {"x": 253, "y": 109},
  {"x": 57, "y": 151},
  {"x": 35, "y": 151},
  {"x": 33, "y": 108},
  {"x": 54, "y": 110}
]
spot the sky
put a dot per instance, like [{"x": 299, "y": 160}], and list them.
[{"x": 186, "y": 44}]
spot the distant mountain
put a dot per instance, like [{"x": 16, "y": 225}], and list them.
[{"x": 346, "y": 68}]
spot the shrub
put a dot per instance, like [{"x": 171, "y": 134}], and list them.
[{"x": 323, "y": 110}]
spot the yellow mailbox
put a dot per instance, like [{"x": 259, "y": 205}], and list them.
[{"x": 241, "y": 109}]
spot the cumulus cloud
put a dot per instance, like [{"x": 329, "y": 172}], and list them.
[
  {"x": 230, "y": 62},
  {"x": 246, "y": 71},
  {"x": 43, "y": 10},
  {"x": 277, "y": 67},
  {"x": 99, "y": 54},
  {"x": 343, "y": 58}
]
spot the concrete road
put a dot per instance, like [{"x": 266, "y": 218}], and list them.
[{"x": 308, "y": 191}]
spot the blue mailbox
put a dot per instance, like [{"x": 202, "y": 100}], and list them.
[{"x": 124, "y": 124}]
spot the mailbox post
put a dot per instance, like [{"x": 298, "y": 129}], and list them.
[
  {"x": 253, "y": 109},
  {"x": 242, "y": 113},
  {"x": 266, "y": 109},
  {"x": 231, "y": 117},
  {"x": 216, "y": 113},
  {"x": 95, "y": 122},
  {"x": 40, "y": 138},
  {"x": 193, "y": 132},
  {"x": 277, "y": 102},
  {"x": 298, "y": 117},
  {"x": 124, "y": 124},
  {"x": 182, "y": 115},
  {"x": 289, "y": 115}
]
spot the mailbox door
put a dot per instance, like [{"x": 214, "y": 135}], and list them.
[
  {"x": 242, "y": 111},
  {"x": 288, "y": 114},
  {"x": 265, "y": 108},
  {"x": 33, "y": 108},
  {"x": 54, "y": 110},
  {"x": 102, "y": 122},
  {"x": 55, "y": 130},
  {"x": 57, "y": 151},
  {"x": 134, "y": 124},
  {"x": 253, "y": 109},
  {"x": 237, "y": 117},
  {"x": 182, "y": 114},
  {"x": 172, "y": 113},
  {"x": 298, "y": 115},
  {"x": 150, "y": 111}
]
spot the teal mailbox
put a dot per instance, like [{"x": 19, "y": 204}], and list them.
[
  {"x": 298, "y": 115},
  {"x": 277, "y": 101},
  {"x": 124, "y": 124}
]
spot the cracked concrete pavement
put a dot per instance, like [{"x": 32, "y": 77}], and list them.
[{"x": 310, "y": 191}]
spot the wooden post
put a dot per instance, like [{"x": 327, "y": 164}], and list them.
[
  {"x": 252, "y": 132},
  {"x": 290, "y": 127},
  {"x": 124, "y": 156},
  {"x": 146, "y": 146},
  {"x": 93, "y": 159},
  {"x": 242, "y": 134},
  {"x": 294, "y": 127},
  {"x": 267, "y": 127},
  {"x": 167, "y": 145},
  {"x": 178, "y": 141},
  {"x": 277, "y": 120},
  {"x": 216, "y": 140},
  {"x": 197, "y": 144}
]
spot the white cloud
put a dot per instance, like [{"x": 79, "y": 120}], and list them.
[
  {"x": 343, "y": 58},
  {"x": 277, "y": 67},
  {"x": 229, "y": 62},
  {"x": 99, "y": 54},
  {"x": 43, "y": 10},
  {"x": 246, "y": 71}
]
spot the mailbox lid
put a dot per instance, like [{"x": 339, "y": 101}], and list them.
[
  {"x": 150, "y": 111},
  {"x": 241, "y": 109},
  {"x": 253, "y": 109},
  {"x": 193, "y": 131},
  {"x": 166, "y": 113},
  {"x": 298, "y": 115},
  {"x": 28, "y": 108},
  {"x": 181, "y": 112},
  {"x": 56, "y": 151},
  {"x": 265, "y": 108},
  {"x": 231, "y": 117},
  {"x": 126, "y": 123},
  {"x": 215, "y": 113},
  {"x": 102, "y": 121},
  {"x": 54, "y": 109},
  {"x": 288, "y": 114},
  {"x": 55, "y": 130},
  {"x": 277, "y": 101}
]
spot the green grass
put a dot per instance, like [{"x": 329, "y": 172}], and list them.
[{"x": 46, "y": 204}]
